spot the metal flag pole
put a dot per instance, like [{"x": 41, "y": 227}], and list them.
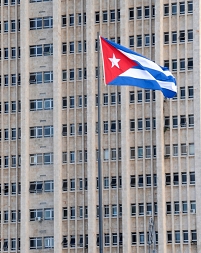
[{"x": 99, "y": 158}]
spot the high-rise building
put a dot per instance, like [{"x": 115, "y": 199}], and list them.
[{"x": 151, "y": 146}]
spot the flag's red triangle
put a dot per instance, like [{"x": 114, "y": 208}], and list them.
[{"x": 115, "y": 62}]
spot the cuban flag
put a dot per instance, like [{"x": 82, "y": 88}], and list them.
[{"x": 123, "y": 66}]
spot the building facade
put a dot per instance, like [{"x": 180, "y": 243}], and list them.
[{"x": 49, "y": 129}]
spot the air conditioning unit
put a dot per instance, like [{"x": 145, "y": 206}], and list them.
[
  {"x": 149, "y": 212},
  {"x": 192, "y": 211},
  {"x": 38, "y": 219}
]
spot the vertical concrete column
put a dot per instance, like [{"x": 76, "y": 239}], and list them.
[
  {"x": 24, "y": 69},
  {"x": 125, "y": 150},
  {"x": 197, "y": 111},
  {"x": 160, "y": 133},
  {"x": 57, "y": 123},
  {"x": 91, "y": 116}
]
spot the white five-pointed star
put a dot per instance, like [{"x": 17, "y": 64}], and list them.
[{"x": 114, "y": 61}]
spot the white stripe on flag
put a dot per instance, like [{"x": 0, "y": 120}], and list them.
[
  {"x": 138, "y": 73},
  {"x": 168, "y": 85},
  {"x": 143, "y": 61}
]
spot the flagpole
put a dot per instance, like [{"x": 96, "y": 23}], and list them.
[{"x": 99, "y": 158}]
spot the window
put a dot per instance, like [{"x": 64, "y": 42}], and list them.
[
  {"x": 49, "y": 186},
  {"x": 36, "y": 187},
  {"x": 190, "y": 6},
  {"x": 174, "y": 37},
  {"x": 48, "y": 158},
  {"x": 192, "y": 206},
  {"x": 132, "y": 124},
  {"x": 5, "y": 26},
  {"x": 184, "y": 207},
  {"x": 184, "y": 177},
  {"x": 148, "y": 180},
  {"x": 139, "y": 96},
  {"x": 106, "y": 182},
  {"x": 132, "y": 153},
  {"x": 140, "y": 152},
  {"x": 13, "y": 53},
  {"x": 65, "y": 185},
  {"x": 190, "y": 120},
  {"x": 105, "y": 126},
  {"x": 6, "y": 135},
  {"x": 35, "y": 78},
  {"x": 114, "y": 239},
  {"x": 167, "y": 122},
  {"x": 72, "y": 102},
  {"x": 13, "y": 244},
  {"x": 176, "y": 207},
  {"x": 166, "y": 63},
  {"x": 5, "y": 53},
  {"x": 147, "y": 96},
  {"x": 35, "y": 51},
  {"x": 48, "y": 49},
  {"x": 175, "y": 121},
  {"x": 132, "y": 181},
  {"x": 192, "y": 177},
  {"x": 72, "y": 75},
  {"x": 48, "y": 77},
  {"x": 182, "y": 64},
  {"x": 166, "y": 37},
  {"x": 169, "y": 236},
  {"x": 114, "y": 210},
  {"x": 112, "y": 15},
  {"x": 72, "y": 184},
  {"x": 141, "y": 237},
  {"x": 113, "y": 98},
  {"x": 36, "y": 243},
  {"x": 49, "y": 242},
  {"x": 174, "y": 8},
  {"x": 48, "y": 131},
  {"x": 175, "y": 149},
  {"x": 190, "y": 92},
  {"x": 183, "y": 149},
  {"x": 97, "y": 17},
  {"x": 146, "y": 11},
  {"x": 139, "y": 12},
  {"x": 13, "y": 161},
  {"x": 167, "y": 150},
  {"x": 139, "y": 40},
  {"x": 107, "y": 239},
  {"x": 131, "y": 13},
  {"x": 35, "y": 23},
  {"x": 113, "y": 154},
  {"x": 190, "y": 35},
  {"x": 105, "y": 99},
  {"x": 13, "y": 133},
  {"x": 104, "y": 16},
  {"x": 147, "y": 123},
  {"x": 175, "y": 178},
  {"x": 168, "y": 207},
  {"x": 148, "y": 151},
  {"x": 193, "y": 236},
  {"x": 71, "y": 19},
  {"x": 183, "y": 121},
  {"x": 140, "y": 124},
  {"x": 140, "y": 180},
  {"x": 174, "y": 65},
  {"x": 166, "y": 9},
  {"x": 106, "y": 211},
  {"x": 35, "y": 132},
  {"x": 47, "y": 22},
  {"x": 191, "y": 149},
  {"x": 190, "y": 63},
  {"x": 114, "y": 182},
  {"x": 113, "y": 126},
  {"x": 177, "y": 236},
  {"x": 182, "y": 7},
  {"x": 132, "y": 97},
  {"x": 167, "y": 179},
  {"x": 182, "y": 93}
]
